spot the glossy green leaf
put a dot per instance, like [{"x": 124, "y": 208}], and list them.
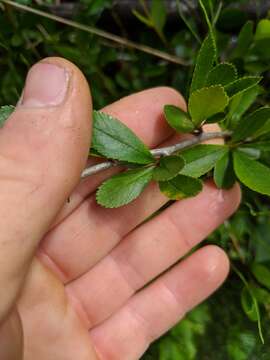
[
  {"x": 240, "y": 103},
  {"x": 111, "y": 138},
  {"x": 223, "y": 172},
  {"x": 222, "y": 74},
  {"x": 262, "y": 274},
  {"x": 204, "y": 63},
  {"x": 251, "y": 173},
  {"x": 201, "y": 158},
  {"x": 207, "y": 102},
  {"x": 244, "y": 40},
  {"x": 168, "y": 167},
  {"x": 264, "y": 130},
  {"x": 5, "y": 112},
  {"x": 180, "y": 187},
  {"x": 178, "y": 119},
  {"x": 219, "y": 117},
  {"x": 262, "y": 30},
  {"x": 123, "y": 188},
  {"x": 251, "y": 125},
  {"x": 241, "y": 85}
]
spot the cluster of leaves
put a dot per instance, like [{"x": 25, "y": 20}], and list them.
[
  {"x": 213, "y": 91},
  {"x": 24, "y": 39}
]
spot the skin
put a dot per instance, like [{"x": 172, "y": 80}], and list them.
[{"x": 73, "y": 275}]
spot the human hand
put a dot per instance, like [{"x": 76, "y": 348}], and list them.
[{"x": 73, "y": 275}]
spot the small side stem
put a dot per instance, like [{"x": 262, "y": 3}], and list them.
[{"x": 164, "y": 151}]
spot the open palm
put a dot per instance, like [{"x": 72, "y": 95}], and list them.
[{"x": 84, "y": 295}]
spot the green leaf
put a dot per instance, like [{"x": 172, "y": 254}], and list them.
[
  {"x": 207, "y": 102},
  {"x": 222, "y": 74},
  {"x": 178, "y": 119},
  {"x": 251, "y": 125},
  {"x": 207, "y": 8},
  {"x": 216, "y": 118},
  {"x": 241, "y": 85},
  {"x": 5, "y": 112},
  {"x": 244, "y": 40},
  {"x": 123, "y": 188},
  {"x": 201, "y": 158},
  {"x": 262, "y": 30},
  {"x": 262, "y": 274},
  {"x": 180, "y": 187},
  {"x": 223, "y": 172},
  {"x": 112, "y": 139},
  {"x": 204, "y": 64},
  {"x": 251, "y": 152},
  {"x": 188, "y": 21},
  {"x": 168, "y": 167},
  {"x": 158, "y": 14},
  {"x": 253, "y": 308},
  {"x": 142, "y": 18},
  {"x": 249, "y": 304},
  {"x": 240, "y": 103},
  {"x": 251, "y": 173},
  {"x": 262, "y": 295},
  {"x": 260, "y": 145}
]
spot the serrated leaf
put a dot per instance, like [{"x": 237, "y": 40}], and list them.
[
  {"x": 178, "y": 119},
  {"x": 207, "y": 102},
  {"x": 241, "y": 85},
  {"x": 251, "y": 125},
  {"x": 201, "y": 158},
  {"x": 244, "y": 40},
  {"x": 223, "y": 172},
  {"x": 251, "y": 173},
  {"x": 5, "y": 112},
  {"x": 262, "y": 274},
  {"x": 204, "y": 64},
  {"x": 158, "y": 14},
  {"x": 123, "y": 188},
  {"x": 168, "y": 167},
  {"x": 112, "y": 139},
  {"x": 180, "y": 187},
  {"x": 222, "y": 74}
]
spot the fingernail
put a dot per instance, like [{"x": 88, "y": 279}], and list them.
[{"x": 46, "y": 85}]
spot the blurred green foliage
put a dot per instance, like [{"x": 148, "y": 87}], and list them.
[{"x": 226, "y": 326}]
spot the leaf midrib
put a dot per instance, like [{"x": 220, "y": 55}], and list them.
[{"x": 125, "y": 143}]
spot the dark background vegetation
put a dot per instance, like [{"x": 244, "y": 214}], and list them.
[{"x": 221, "y": 328}]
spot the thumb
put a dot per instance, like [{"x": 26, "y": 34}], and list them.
[{"x": 43, "y": 149}]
